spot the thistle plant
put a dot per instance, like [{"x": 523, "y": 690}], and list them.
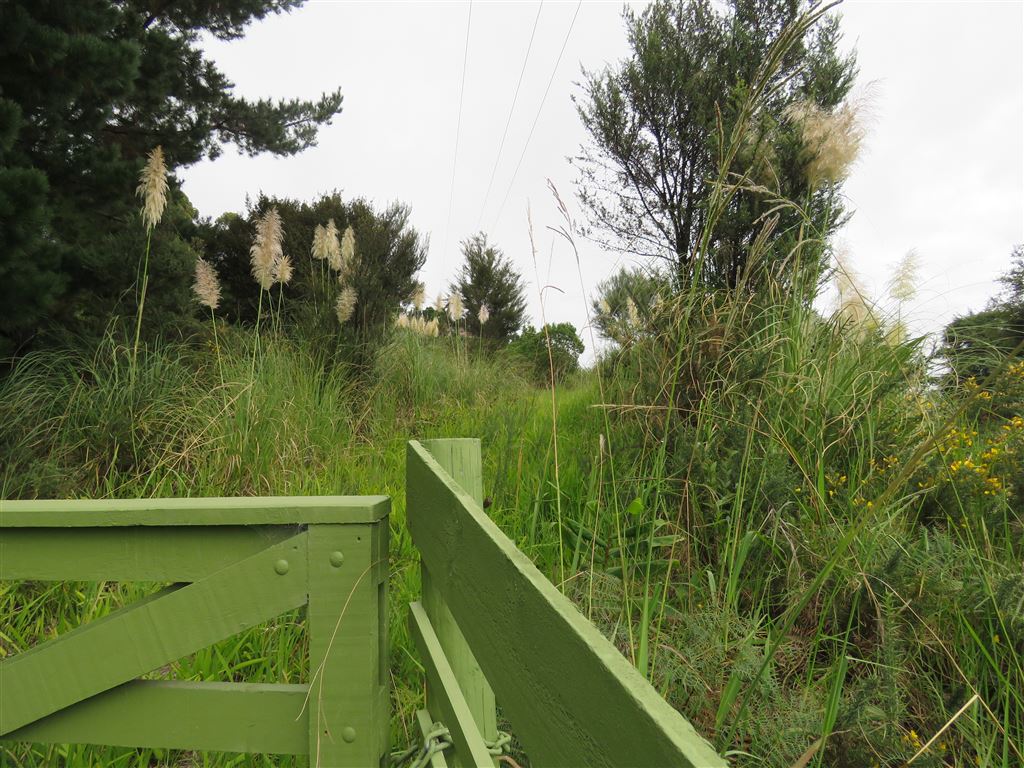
[{"x": 153, "y": 191}]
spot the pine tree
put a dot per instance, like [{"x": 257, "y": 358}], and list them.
[
  {"x": 488, "y": 279},
  {"x": 87, "y": 89}
]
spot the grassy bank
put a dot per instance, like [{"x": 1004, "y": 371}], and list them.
[{"x": 809, "y": 549}]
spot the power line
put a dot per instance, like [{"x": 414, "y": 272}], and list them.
[
  {"x": 458, "y": 132},
  {"x": 539, "y": 110},
  {"x": 508, "y": 121}
]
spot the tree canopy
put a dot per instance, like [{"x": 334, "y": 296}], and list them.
[
  {"x": 388, "y": 254},
  {"x": 488, "y": 279},
  {"x": 565, "y": 346},
  {"x": 87, "y": 88},
  {"x": 657, "y": 119},
  {"x": 978, "y": 343}
]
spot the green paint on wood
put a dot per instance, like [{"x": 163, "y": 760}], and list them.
[
  {"x": 247, "y": 510},
  {"x": 461, "y": 459},
  {"x": 444, "y": 698},
  {"x": 135, "y": 553},
  {"x": 572, "y": 698},
  {"x": 142, "y": 637},
  {"x": 229, "y": 717},
  {"x": 348, "y": 703}
]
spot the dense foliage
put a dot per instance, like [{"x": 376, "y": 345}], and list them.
[
  {"x": 660, "y": 120},
  {"x": 87, "y": 89},
  {"x": 489, "y": 279},
  {"x": 977, "y": 344},
  {"x": 806, "y": 546},
  {"x": 388, "y": 255},
  {"x": 551, "y": 353}
]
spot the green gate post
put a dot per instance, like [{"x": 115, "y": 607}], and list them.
[
  {"x": 349, "y": 705},
  {"x": 461, "y": 459}
]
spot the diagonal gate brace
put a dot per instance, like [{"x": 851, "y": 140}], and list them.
[{"x": 146, "y": 635}]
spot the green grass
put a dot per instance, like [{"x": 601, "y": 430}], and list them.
[{"x": 759, "y": 512}]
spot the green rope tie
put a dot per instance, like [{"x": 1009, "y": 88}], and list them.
[
  {"x": 438, "y": 739},
  {"x": 498, "y": 746}
]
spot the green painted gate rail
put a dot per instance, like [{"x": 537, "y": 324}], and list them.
[
  {"x": 234, "y": 563},
  {"x": 490, "y": 627}
]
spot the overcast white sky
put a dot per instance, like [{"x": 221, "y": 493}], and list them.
[{"x": 942, "y": 170}]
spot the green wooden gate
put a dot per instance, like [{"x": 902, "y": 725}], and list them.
[
  {"x": 492, "y": 627},
  {"x": 234, "y": 563},
  {"x": 489, "y": 627}
]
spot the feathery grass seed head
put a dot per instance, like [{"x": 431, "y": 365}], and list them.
[
  {"x": 319, "y": 249},
  {"x": 266, "y": 251},
  {"x": 347, "y": 258},
  {"x": 331, "y": 246},
  {"x": 484, "y": 314},
  {"x": 419, "y": 296},
  {"x": 206, "y": 286},
  {"x": 455, "y": 307},
  {"x": 632, "y": 313},
  {"x": 346, "y": 304},
  {"x": 831, "y": 139},
  {"x": 153, "y": 188},
  {"x": 903, "y": 286},
  {"x": 283, "y": 270}
]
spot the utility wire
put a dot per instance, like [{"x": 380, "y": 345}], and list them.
[
  {"x": 458, "y": 132},
  {"x": 508, "y": 120},
  {"x": 539, "y": 110}
]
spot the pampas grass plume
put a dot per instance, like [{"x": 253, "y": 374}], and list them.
[
  {"x": 347, "y": 261},
  {"x": 206, "y": 286},
  {"x": 319, "y": 248},
  {"x": 266, "y": 253},
  {"x": 831, "y": 139},
  {"x": 283, "y": 270},
  {"x": 484, "y": 314},
  {"x": 153, "y": 188},
  {"x": 331, "y": 247},
  {"x": 455, "y": 307},
  {"x": 346, "y": 304},
  {"x": 632, "y": 313}
]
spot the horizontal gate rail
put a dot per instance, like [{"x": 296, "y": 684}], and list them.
[
  {"x": 571, "y": 697},
  {"x": 227, "y": 717},
  {"x": 236, "y": 563},
  {"x": 241, "y": 510}
]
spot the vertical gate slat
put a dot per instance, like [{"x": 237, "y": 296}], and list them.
[{"x": 461, "y": 458}]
